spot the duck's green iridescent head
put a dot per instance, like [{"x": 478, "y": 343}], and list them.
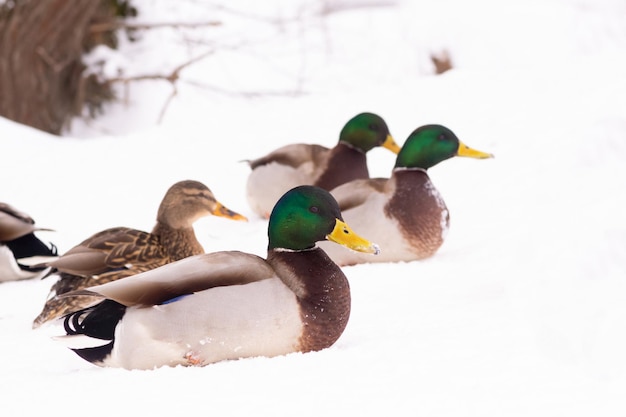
[
  {"x": 430, "y": 144},
  {"x": 366, "y": 131},
  {"x": 305, "y": 215}
]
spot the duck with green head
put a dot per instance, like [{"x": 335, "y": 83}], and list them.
[
  {"x": 311, "y": 164},
  {"x": 228, "y": 305},
  {"x": 405, "y": 214}
]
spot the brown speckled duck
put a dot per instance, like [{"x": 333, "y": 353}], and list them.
[
  {"x": 21, "y": 251},
  {"x": 228, "y": 305},
  {"x": 311, "y": 164},
  {"x": 405, "y": 214},
  {"x": 120, "y": 252}
]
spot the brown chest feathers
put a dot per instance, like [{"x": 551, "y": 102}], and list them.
[
  {"x": 418, "y": 207},
  {"x": 177, "y": 243},
  {"x": 323, "y": 293}
]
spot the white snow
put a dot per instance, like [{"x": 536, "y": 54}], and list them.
[{"x": 522, "y": 311}]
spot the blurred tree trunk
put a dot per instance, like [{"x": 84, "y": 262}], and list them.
[{"x": 41, "y": 72}]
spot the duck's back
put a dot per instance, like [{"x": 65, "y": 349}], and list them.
[{"x": 281, "y": 170}]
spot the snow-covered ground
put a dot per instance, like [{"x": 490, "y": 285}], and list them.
[{"x": 522, "y": 311}]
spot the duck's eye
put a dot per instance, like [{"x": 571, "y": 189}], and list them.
[
  {"x": 441, "y": 137},
  {"x": 374, "y": 127},
  {"x": 314, "y": 209}
]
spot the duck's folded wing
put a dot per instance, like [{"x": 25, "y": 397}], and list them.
[
  {"x": 105, "y": 251},
  {"x": 13, "y": 212},
  {"x": 114, "y": 238},
  {"x": 356, "y": 192},
  {"x": 293, "y": 155},
  {"x": 14, "y": 224},
  {"x": 85, "y": 262},
  {"x": 183, "y": 277}
]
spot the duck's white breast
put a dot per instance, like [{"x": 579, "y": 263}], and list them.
[{"x": 257, "y": 319}]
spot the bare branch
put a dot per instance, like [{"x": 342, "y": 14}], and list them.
[
  {"x": 167, "y": 104},
  {"x": 172, "y": 77},
  {"x": 248, "y": 94},
  {"x": 108, "y": 26}
]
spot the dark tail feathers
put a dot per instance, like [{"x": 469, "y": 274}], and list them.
[
  {"x": 99, "y": 322},
  {"x": 30, "y": 245}
]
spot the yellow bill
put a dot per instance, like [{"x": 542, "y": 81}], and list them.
[
  {"x": 391, "y": 144},
  {"x": 465, "y": 150},
  {"x": 222, "y": 211},
  {"x": 344, "y": 235}
]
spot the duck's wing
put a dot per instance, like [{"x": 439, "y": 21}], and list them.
[
  {"x": 189, "y": 275},
  {"x": 293, "y": 155},
  {"x": 357, "y": 192},
  {"x": 14, "y": 223},
  {"x": 110, "y": 250},
  {"x": 12, "y": 211}
]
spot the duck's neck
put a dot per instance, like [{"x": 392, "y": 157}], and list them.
[
  {"x": 412, "y": 179},
  {"x": 179, "y": 243},
  {"x": 322, "y": 290},
  {"x": 345, "y": 163}
]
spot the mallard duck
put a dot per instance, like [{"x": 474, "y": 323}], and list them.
[
  {"x": 405, "y": 214},
  {"x": 311, "y": 164},
  {"x": 21, "y": 251},
  {"x": 122, "y": 251},
  {"x": 228, "y": 305}
]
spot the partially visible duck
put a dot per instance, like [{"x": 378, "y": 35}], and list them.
[
  {"x": 120, "y": 252},
  {"x": 311, "y": 164},
  {"x": 405, "y": 214},
  {"x": 21, "y": 251},
  {"x": 228, "y": 305}
]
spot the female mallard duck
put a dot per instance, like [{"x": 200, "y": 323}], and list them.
[
  {"x": 404, "y": 214},
  {"x": 20, "y": 250},
  {"x": 228, "y": 305},
  {"x": 310, "y": 164},
  {"x": 121, "y": 251}
]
